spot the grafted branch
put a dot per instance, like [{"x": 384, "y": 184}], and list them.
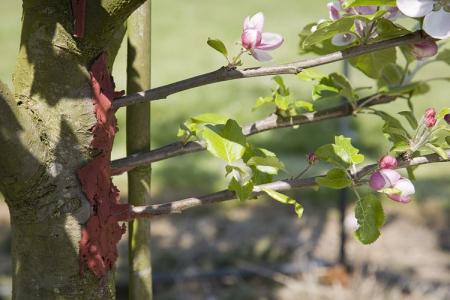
[
  {"x": 272, "y": 122},
  {"x": 225, "y": 74},
  {"x": 284, "y": 185}
]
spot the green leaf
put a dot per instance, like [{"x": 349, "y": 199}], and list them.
[
  {"x": 443, "y": 112},
  {"x": 386, "y": 29},
  {"x": 401, "y": 146},
  {"x": 371, "y": 64},
  {"x": 344, "y": 149},
  {"x": 336, "y": 178},
  {"x": 328, "y": 29},
  {"x": 444, "y": 56},
  {"x": 209, "y": 118},
  {"x": 391, "y": 75},
  {"x": 281, "y": 102},
  {"x": 225, "y": 141},
  {"x": 243, "y": 192},
  {"x": 370, "y": 216},
  {"x": 281, "y": 87},
  {"x": 309, "y": 74},
  {"x": 409, "y": 116},
  {"x": 349, "y": 3},
  {"x": 286, "y": 200},
  {"x": 332, "y": 85},
  {"x": 305, "y": 105},
  {"x": 415, "y": 88},
  {"x": 438, "y": 150},
  {"x": 262, "y": 101},
  {"x": 218, "y": 45},
  {"x": 269, "y": 164}
]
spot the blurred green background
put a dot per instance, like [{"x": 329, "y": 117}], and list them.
[{"x": 180, "y": 30}]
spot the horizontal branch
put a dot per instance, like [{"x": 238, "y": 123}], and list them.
[
  {"x": 284, "y": 185},
  {"x": 272, "y": 122},
  {"x": 225, "y": 74}
]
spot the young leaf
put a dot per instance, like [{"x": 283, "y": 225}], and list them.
[
  {"x": 225, "y": 141},
  {"x": 444, "y": 56},
  {"x": 336, "y": 178},
  {"x": 309, "y": 74},
  {"x": 218, "y": 45},
  {"x": 243, "y": 192},
  {"x": 281, "y": 87},
  {"x": 409, "y": 116},
  {"x": 262, "y": 101},
  {"x": 391, "y": 75},
  {"x": 370, "y": 216},
  {"x": 269, "y": 164},
  {"x": 286, "y": 200},
  {"x": 349, "y": 3},
  {"x": 371, "y": 64},
  {"x": 281, "y": 102},
  {"x": 329, "y": 29},
  {"x": 308, "y": 106},
  {"x": 345, "y": 150},
  {"x": 438, "y": 150}
]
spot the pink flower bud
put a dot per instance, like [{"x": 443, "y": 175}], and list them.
[
  {"x": 406, "y": 189},
  {"x": 430, "y": 117},
  {"x": 447, "y": 118},
  {"x": 388, "y": 162},
  {"x": 424, "y": 49},
  {"x": 312, "y": 158},
  {"x": 384, "y": 178}
]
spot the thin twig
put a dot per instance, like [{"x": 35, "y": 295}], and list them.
[
  {"x": 284, "y": 185},
  {"x": 225, "y": 73},
  {"x": 274, "y": 121}
]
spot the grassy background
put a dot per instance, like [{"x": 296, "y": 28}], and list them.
[{"x": 180, "y": 30}]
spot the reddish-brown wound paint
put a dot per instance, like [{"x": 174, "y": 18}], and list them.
[
  {"x": 102, "y": 232},
  {"x": 79, "y": 17}
]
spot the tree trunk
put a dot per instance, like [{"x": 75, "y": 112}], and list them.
[{"x": 46, "y": 134}]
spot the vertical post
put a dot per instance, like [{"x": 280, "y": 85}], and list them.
[
  {"x": 344, "y": 125},
  {"x": 138, "y": 139}
]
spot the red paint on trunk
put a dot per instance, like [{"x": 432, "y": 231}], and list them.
[
  {"x": 79, "y": 17},
  {"x": 102, "y": 232}
]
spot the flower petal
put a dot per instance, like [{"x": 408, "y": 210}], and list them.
[
  {"x": 333, "y": 11},
  {"x": 437, "y": 24},
  {"x": 366, "y": 10},
  {"x": 343, "y": 39},
  {"x": 390, "y": 176},
  {"x": 256, "y": 22},
  {"x": 261, "y": 55},
  {"x": 405, "y": 186},
  {"x": 399, "y": 198},
  {"x": 250, "y": 38},
  {"x": 270, "y": 41},
  {"x": 415, "y": 8}
]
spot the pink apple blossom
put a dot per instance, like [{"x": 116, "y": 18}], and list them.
[
  {"x": 388, "y": 162},
  {"x": 391, "y": 179},
  {"x": 383, "y": 179},
  {"x": 406, "y": 189},
  {"x": 256, "y": 41},
  {"x": 436, "y": 15}
]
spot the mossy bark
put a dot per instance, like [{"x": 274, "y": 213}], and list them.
[{"x": 46, "y": 124}]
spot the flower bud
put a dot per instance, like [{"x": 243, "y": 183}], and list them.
[
  {"x": 424, "y": 49},
  {"x": 447, "y": 118},
  {"x": 430, "y": 117},
  {"x": 384, "y": 178},
  {"x": 312, "y": 158},
  {"x": 388, "y": 162}
]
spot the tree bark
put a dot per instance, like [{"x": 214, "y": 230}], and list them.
[
  {"x": 138, "y": 140},
  {"x": 46, "y": 128}
]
